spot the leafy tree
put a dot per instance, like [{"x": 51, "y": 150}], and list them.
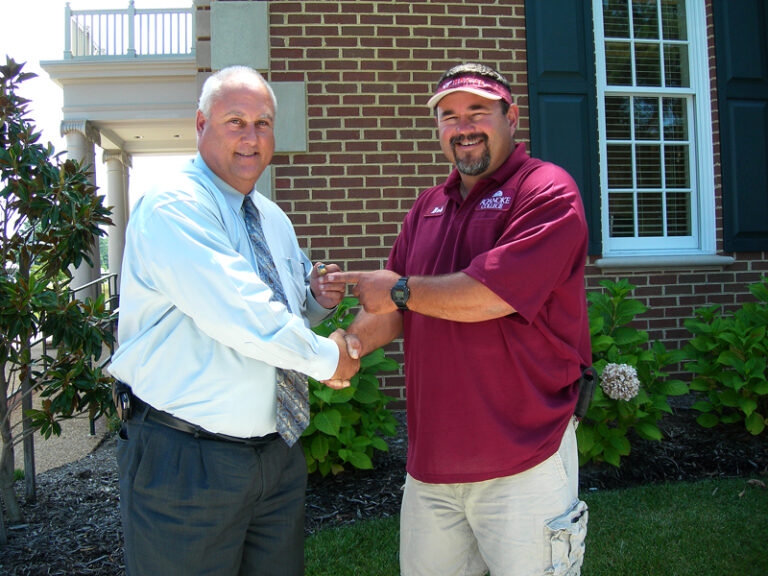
[{"x": 49, "y": 219}]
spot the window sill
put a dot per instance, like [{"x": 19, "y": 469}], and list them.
[{"x": 656, "y": 262}]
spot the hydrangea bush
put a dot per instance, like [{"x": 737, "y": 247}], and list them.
[
  {"x": 346, "y": 426},
  {"x": 634, "y": 389},
  {"x": 728, "y": 356}
]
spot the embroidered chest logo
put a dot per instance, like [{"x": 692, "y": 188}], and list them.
[
  {"x": 436, "y": 211},
  {"x": 497, "y": 201}
]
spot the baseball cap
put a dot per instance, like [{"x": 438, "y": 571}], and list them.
[{"x": 473, "y": 83}]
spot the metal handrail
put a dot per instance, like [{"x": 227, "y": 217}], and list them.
[{"x": 128, "y": 33}]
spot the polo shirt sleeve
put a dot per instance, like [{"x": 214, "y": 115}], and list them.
[
  {"x": 399, "y": 252},
  {"x": 543, "y": 243}
]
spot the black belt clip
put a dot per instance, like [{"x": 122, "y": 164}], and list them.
[
  {"x": 586, "y": 384},
  {"x": 121, "y": 396}
]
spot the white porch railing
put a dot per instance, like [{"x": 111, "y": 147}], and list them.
[{"x": 129, "y": 33}]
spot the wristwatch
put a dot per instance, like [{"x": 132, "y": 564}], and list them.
[{"x": 400, "y": 293}]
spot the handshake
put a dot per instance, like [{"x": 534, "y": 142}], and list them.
[
  {"x": 372, "y": 289},
  {"x": 350, "y": 350}
]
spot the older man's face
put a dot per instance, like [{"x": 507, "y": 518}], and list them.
[{"x": 237, "y": 140}]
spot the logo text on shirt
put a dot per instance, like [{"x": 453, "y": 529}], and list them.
[
  {"x": 436, "y": 211},
  {"x": 497, "y": 201}
]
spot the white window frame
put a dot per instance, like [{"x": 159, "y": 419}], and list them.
[{"x": 703, "y": 238}]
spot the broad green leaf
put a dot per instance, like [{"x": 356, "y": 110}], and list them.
[
  {"x": 367, "y": 392},
  {"x": 319, "y": 449},
  {"x": 708, "y": 420},
  {"x": 673, "y": 388},
  {"x": 747, "y": 405},
  {"x": 359, "y": 460},
  {"x": 342, "y": 396},
  {"x": 755, "y": 423},
  {"x": 328, "y": 421},
  {"x": 649, "y": 431}
]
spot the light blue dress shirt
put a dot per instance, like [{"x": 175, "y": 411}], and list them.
[{"x": 199, "y": 335}]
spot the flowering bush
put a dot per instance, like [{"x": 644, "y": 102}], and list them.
[{"x": 634, "y": 390}]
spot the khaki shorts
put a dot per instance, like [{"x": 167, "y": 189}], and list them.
[{"x": 529, "y": 524}]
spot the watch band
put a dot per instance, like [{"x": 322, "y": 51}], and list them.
[{"x": 400, "y": 293}]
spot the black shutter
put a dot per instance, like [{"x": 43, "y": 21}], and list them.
[
  {"x": 741, "y": 46},
  {"x": 562, "y": 96}
]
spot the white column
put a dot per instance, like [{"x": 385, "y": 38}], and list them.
[
  {"x": 81, "y": 140},
  {"x": 118, "y": 164}
]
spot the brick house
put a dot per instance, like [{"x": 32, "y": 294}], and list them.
[{"x": 658, "y": 108}]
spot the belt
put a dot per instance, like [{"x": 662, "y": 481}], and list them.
[{"x": 139, "y": 406}]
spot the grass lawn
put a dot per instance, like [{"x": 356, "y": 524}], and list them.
[{"x": 706, "y": 528}]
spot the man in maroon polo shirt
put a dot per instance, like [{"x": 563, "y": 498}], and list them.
[{"x": 486, "y": 284}]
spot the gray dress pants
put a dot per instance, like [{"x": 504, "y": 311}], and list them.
[{"x": 191, "y": 506}]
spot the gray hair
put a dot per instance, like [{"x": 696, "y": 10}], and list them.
[{"x": 230, "y": 76}]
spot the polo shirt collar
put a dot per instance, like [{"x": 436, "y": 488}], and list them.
[{"x": 503, "y": 173}]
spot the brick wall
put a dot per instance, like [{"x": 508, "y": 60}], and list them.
[{"x": 369, "y": 67}]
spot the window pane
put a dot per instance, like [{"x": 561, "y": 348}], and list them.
[
  {"x": 622, "y": 215},
  {"x": 647, "y": 125},
  {"x": 619, "y": 166},
  {"x": 650, "y": 210},
  {"x": 645, "y": 19},
  {"x": 616, "y": 18},
  {"x": 679, "y": 214},
  {"x": 618, "y": 63},
  {"x": 677, "y": 166},
  {"x": 617, "y": 126},
  {"x": 675, "y": 119},
  {"x": 673, "y": 20},
  {"x": 648, "y": 130},
  {"x": 676, "y": 66},
  {"x": 648, "y": 64},
  {"x": 648, "y": 166}
]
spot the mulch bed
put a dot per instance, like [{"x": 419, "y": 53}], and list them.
[{"x": 74, "y": 527}]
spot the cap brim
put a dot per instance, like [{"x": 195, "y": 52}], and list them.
[{"x": 432, "y": 102}]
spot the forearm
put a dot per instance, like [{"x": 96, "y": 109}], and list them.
[
  {"x": 376, "y": 330},
  {"x": 456, "y": 297}
]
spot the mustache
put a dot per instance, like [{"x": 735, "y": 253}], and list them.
[{"x": 461, "y": 138}]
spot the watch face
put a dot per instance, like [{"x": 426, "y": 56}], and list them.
[{"x": 400, "y": 293}]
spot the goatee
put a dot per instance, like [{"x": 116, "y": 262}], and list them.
[{"x": 471, "y": 167}]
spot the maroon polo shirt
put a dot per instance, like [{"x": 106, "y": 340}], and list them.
[{"x": 491, "y": 399}]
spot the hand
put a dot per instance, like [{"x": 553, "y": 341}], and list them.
[
  {"x": 327, "y": 292},
  {"x": 348, "y": 364},
  {"x": 354, "y": 345},
  {"x": 371, "y": 288}
]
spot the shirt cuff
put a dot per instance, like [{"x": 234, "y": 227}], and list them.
[
  {"x": 315, "y": 312},
  {"x": 327, "y": 360}
]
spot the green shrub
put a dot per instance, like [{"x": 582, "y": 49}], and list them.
[
  {"x": 345, "y": 424},
  {"x": 728, "y": 358},
  {"x": 603, "y": 433}
]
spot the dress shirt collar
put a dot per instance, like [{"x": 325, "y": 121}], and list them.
[{"x": 233, "y": 198}]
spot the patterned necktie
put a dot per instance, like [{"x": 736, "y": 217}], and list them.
[{"x": 292, "y": 392}]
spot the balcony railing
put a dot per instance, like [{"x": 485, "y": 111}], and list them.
[{"x": 128, "y": 33}]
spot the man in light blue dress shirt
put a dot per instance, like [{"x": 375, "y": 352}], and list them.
[{"x": 206, "y": 484}]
